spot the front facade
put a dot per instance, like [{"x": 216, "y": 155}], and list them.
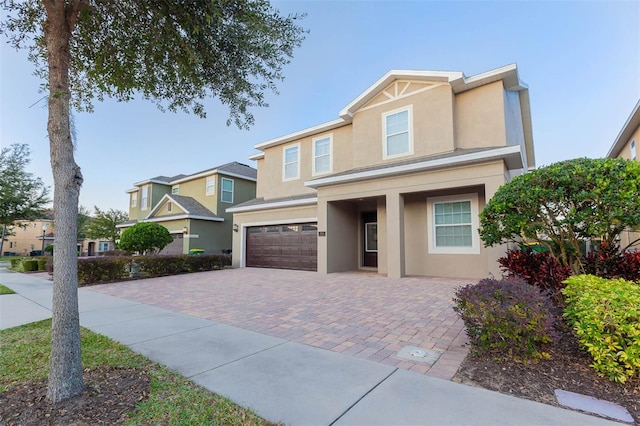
[
  {"x": 626, "y": 146},
  {"x": 193, "y": 207},
  {"x": 396, "y": 183},
  {"x": 27, "y": 237}
]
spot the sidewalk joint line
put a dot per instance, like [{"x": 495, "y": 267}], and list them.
[
  {"x": 363, "y": 396},
  {"x": 238, "y": 359}
]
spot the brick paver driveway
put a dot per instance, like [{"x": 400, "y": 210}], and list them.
[{"x": 364, "y": 315}]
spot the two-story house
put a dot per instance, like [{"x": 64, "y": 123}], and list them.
[
  {"x": 393, "y": 185},
  {"x": 26, "y": 237},
  {"x": 193, "y": 207},
  {"x": 626, "y": 146}
]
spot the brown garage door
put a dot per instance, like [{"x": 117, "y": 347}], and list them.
[
  {"x": 174, "y": 247},
  {"x": 293, "y": 246}
]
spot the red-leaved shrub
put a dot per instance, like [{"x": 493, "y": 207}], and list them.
[{"x": 608, "y": 262}]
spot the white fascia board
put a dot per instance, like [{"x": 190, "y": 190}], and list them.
[
  {"x": 330, "y": 125},
  {"x": 183, "y": 216},
  {"x": 258, "y": 156},
  {"x": 415, "y": 167},
  {"x": 275, "y": 205},
  {"x": 125, "y": 225},
  {"x": 157, "y": 206},
  {"x": 630, "y": 125},
  {"x": 144, "y": 182},
  {"x": 129, "y": 191},
  {"x": 388, "y": 78},
  {"x": 235, "y": 175},
  {"x": 196, "y": 176}
]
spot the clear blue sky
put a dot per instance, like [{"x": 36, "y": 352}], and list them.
[{"x": 581, "y": 61}]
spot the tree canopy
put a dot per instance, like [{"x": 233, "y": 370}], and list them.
[
  {"x": 565, "y": 203},
  {"x": 171, "y": 52},
  {"x": 103, "y": 224},
  {"x": 145, "y": 238}
]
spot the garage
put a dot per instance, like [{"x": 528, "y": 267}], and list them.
[
  {"x": 291, "y": 246},
  {"x": 174, "y": 247}
]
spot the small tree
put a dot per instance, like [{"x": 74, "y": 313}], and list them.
[
  {"x": 22, "y": 195},
  {"x": 145, "y": 238},
  {"x": 104, "y": 222},
  {"x": 565, "y": 203}
]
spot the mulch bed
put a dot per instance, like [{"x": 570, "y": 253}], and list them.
[
  {"x": 109, "y": 394},
  {"x": 568, "y": 369}
]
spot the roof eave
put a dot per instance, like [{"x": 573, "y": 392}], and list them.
[{"x": 632, "y": 123}]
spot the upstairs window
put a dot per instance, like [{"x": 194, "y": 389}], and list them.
[
  {"x": 144, "y": 198},
  {"x": 291, "y": 163},
  {"x": 633, "y": 150},
  {"x": 397, "y": 137},
  {"x": 226, "y": 195},
  {"x": 210, "y": 185},
  {"x": 175, "y": 189},
  {"x": 322, "y": 155},
  {"x": 134, "y": 199}
]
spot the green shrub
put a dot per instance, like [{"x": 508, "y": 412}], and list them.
[
  {"x": 30, "y": 265},
  {"x": 605, "y": 315},
  {"x": 42, "y": 264},
  {"x": 508, "y": 317},
  {"x": 102, "y": 269},
  {"x": 49, "y": 249},
  {"x": 16, "y": 263}
]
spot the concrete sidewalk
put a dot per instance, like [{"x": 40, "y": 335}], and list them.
[{"x": 282, "y": 380}]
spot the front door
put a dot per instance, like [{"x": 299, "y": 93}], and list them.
[{"x": 369, "y": 239}]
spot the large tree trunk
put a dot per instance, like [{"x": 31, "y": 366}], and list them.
[{"x": 65, "y": 375}]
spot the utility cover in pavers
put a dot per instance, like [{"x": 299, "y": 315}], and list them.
[
  {"x": 197, "y": 351},
  {"x": 154, "y": 327},
  {"x": 296, "y": 384},
  {"x": 415, "y": 354},
  {"x": 593, "y": 405},
  {"x": 408, "y": 398}
]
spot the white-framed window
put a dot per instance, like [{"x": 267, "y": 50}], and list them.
[
  {"x": 134, "y": 199},
  {"x": 103, "y": 246},
  {"x": 452, "y": 224},
  {"x": 169, "y": 206},
  {"x": 226, "y": 190},
  {"x": 175, "y": 189},
  {"x": 210, "y": 185},
  {"x": 291, "y": 162},
  {"x": 633, "y": 150},
  {"x": 144, "y": 197},
  {"x": 397, "y": 135},
  {"x": 323, "y": 155}
]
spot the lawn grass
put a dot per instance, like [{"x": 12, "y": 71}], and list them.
[
  {"x": 5, "y": 290},
  {"x": 172, "y": 400}
]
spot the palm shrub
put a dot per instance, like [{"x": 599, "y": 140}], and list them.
[{"x": 508, "y": 317}]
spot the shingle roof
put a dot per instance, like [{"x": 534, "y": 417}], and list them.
[
  {"x": 191, "y": 206},
  {"x": 237, "y": 169}
]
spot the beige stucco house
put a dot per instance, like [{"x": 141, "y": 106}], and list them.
[
  {"x": 192, "y": 207},
  {"x": 393, "y": 185},
  {"x": 26, "y": 236},
  {"x": 626, "y": 146}
]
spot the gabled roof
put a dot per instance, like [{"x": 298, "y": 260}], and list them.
[
  {"x": 191, "y": 209},
  {"x": 508, "y": 74},
  {"x": 627, "y": 130},
  {"x": 233, "y": 169}
]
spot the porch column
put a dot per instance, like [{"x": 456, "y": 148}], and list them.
[
  {"x": 323, "y": 267},
  {"x": 395, "y": 235}
]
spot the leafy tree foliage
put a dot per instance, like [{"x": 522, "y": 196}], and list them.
[
  {"x": 84, "y": 220},
  {"x": 171, "y": 52},
  {"x": 103, "y": 224},
  {"x": 22, "y": 195},
  {"x": 565, "y": 203},
  {"x": 145, "y": 238}
]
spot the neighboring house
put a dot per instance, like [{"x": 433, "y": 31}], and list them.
[
  {"x": 395, "y": 184},
  {"x": 192, "y": 207},
  {"x": 95, "y": 247},
  {"x": 626, "y": 146},
  {"x": 28, "y": 236}
]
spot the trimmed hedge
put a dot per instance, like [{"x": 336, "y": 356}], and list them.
[
  {"x": 108, "y": 269},
  {"x": 605, "y": 315},
  {"x": 508, "y": 317},
  {"x": 30, "y": 265}
]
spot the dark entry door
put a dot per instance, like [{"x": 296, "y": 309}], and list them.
[{"x": 369, "y": 239}]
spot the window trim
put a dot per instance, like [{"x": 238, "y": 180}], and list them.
[
  {"x": 175, "y": 190},
  {"x": 386, "y": 114},
  {"x": 315, "y": 172},
  {"x": 432, "y": 248},
  {"x": 144, "y": 205},
  {"x": 212, "y": 186},
  {"x": 134, "y": 200},
  {"x": 284, "y": 162},
  {"x": 222, "y": 190},
  {"x": 632, "y": 148}
]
